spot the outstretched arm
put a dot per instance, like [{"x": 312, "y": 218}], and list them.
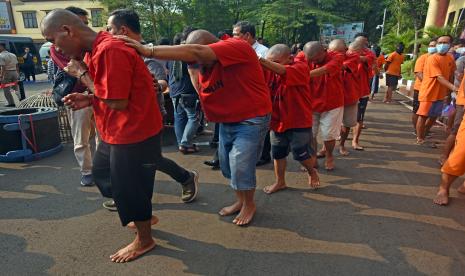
[
  {"x": 273, "y": 66},
  {"x": 187, "y": 53}
]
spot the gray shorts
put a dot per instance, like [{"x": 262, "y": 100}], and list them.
[
  {"x": 459, "y": 110},
  {"x": 349, "y": 119},
  {"x": 295, "y": 140}
]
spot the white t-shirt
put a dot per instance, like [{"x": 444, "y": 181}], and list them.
[{"x": 260, "y": 49}]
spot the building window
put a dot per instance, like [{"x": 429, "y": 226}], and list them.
[
  {"x": 96, "y": 16},
  {"x": 30, "y": 20},
  {"x": 450, "y": 19}
]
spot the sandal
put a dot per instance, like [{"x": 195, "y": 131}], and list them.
[{"x": 188, "y": 150}]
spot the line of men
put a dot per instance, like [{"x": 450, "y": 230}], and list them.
[
  {"x": 319, "y": 90},
  {"x": 439, "y": 77}
]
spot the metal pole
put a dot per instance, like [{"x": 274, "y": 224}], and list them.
[{"x": 382, "y": 26}]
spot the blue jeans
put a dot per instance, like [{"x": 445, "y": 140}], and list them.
[
  {"x": 239, "y": 150},
  {"x": 186, "y": 123},
  {"x": 374, "y": 85}
]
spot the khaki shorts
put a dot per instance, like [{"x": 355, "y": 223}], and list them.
[
  {"x": 349, "y": 119},
  {"x": 329, "y": 123}
]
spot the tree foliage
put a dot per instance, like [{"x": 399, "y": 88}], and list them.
[{"x": 285, "y": 21}]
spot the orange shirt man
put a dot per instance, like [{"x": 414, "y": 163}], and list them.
[
  {"x": 418, "y": 70},
  {"x": 437, "y": 73},
  {"x": 393, "y": 71}
]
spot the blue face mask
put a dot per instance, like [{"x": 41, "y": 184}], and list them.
[
  {"x": 443, "y": 48},
  {"x": 432, "y": 50}
]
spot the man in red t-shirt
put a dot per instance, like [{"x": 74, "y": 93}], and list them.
[
  {"x": 351, "y": 84},
  {"x": 291, "y": 120},
  {"x": 233, "y": 92},
  {"x": 327, "y": 96},
  {"x": 127, "y": 118},
  {"x": 365, "y": 71}
]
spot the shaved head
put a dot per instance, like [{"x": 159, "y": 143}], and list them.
[
  {"x": 337, "y": 45},
  {"x": 201, "y": 37},
  {"x": 279, "y": 53},
  {"x": 363, "y": 40},
  {"x": 279, "y": 50},
  {"x": 68, "y": 32},
  {"x": 314, "y": 51},
  {"x": 58, "y": 18},
  {"x": 313, "y": 48},
  {"x": 357, "y": 45}
]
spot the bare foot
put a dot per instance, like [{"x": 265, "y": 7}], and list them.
[
  {"x": 442, "y": 197},
  {"x": 231, "y": 210},
  {"x": 314, "y": 179},
  {"x": 154, "y": 220},
  {"x": 356, "y": 146},
  {"x": 461, "y": 189},
  {"x": 246, "y": 215},
  {"x": 131, "y": 252},
  {"x": 343, "y": 151},
  {"x": 329, "y": 163},
  {"x": 274, "y": 188},
  {"x": 321, "y": 154}
]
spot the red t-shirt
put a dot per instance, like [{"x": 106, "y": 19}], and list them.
[
  {"x": 120, "y": 73},
  {"x": 366, "y": 72},
  {"x": 290, "y": 96},
  {"x": 351, "y": 79},
  {"x": 234, "y": 89},
  {"x": 327, "y": 90}
]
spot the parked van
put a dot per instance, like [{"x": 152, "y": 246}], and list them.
[{"x": 16, "y": 44}]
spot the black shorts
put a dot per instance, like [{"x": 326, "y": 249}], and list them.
[
  {"x": 416, "y": 102},
  {"x": 392, "y": 81},
  {"x": 131, "y": 169},
  {"x": 362, "y": 107}
]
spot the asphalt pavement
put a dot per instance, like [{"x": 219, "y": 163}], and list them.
[{"x": 373, "y": 215}]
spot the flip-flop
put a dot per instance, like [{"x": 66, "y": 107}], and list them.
[
  {"x": 319, "y": 155},
  {"x": 359, "y": 148}
]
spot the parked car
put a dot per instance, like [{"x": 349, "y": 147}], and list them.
[{"x": 16, "y": 44}]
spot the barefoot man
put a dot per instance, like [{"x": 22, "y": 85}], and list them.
[
  {"x": 453, "y": 168},
  {"x": 291, "y": 120},
  {"x": 351, "y": 80},
  {"x": 128, "y": 125},
  {"x": 419, "y": 65},
  {"x": 438, "y": 74},
  {"x": 365, "y": 71},
  {"x": 327, "y": 96},
  {"x": 233, "y": 93}
]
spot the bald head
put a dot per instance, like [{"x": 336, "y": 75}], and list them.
[
  {"x": 201, "y": 37},
  {"x": 314, "y": 51},
  {"x": 68, "y": 32},
  {"x": 337, "y": 45},
  {"x": 362, "y": 40},
  {"x": 280, "y": 53},
  {"x": 313, "y": 48},
  {"x": 356, "y": 46},
  {"x": 56, "y": 19}
]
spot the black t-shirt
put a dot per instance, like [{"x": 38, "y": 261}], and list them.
[{"x": 180, "y": 84}]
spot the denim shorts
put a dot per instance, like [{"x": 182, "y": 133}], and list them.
[
  {"x": 295, "y": 140},
  {"x": 240, "y": 148}
]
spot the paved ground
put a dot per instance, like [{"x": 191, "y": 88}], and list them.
[{"x": 373, "y": 216}]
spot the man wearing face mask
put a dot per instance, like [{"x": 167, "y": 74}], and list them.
[
  {"x": 438, "y": 76},
  {"x": 393, "y": 71},
  {"x": 419, "y": 65}
]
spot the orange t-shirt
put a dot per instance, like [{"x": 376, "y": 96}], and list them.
[
  {"x": 381, "y": 60},
  {"x": 460, "y": 100},
  {"x": 436, "y": 65},
  {"x": 419, "y": 65},
  {"x": 396, "y": 61}
]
